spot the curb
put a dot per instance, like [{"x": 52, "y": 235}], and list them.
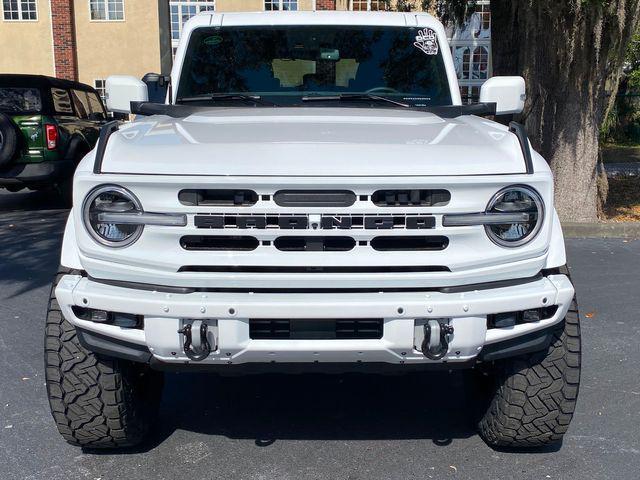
[{"x": 630, "y": 230}]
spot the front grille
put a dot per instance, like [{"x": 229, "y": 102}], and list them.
[
  {"x": 316, "y": 329},
  {"x": 327, "y": 222}
]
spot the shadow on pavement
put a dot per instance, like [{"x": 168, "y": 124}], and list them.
[
  {"x": 31, "y": 228},
  {"x": 438, "y": 406}
]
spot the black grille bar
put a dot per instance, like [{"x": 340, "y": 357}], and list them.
[
  {"x": 409, "y": 243},
  {"x": 202, "y": 242},
  {"x": 411, "y": 198},
  {"x": 316, "y": 329},
  {"x": 314, "y": 198},
  {"x": 303, "y": 269}
]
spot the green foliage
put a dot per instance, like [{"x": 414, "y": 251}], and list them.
[
  {"x": 450, "y": 10},
  {"x": 632, "y": 63}
]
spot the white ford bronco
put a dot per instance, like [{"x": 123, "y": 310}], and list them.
[{"x": 312, "y": 195}]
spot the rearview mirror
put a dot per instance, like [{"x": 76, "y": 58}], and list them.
[
  {"x": 508, "y": 93},
  {"x": 121, "y": 90}
]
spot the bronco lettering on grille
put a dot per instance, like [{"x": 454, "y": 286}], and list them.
[{"x": 328, "y": 222}]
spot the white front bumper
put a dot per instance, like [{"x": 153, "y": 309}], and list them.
[{"x": 164, "y": 313}]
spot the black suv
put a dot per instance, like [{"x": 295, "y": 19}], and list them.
[{"x": 47, "y": 126}]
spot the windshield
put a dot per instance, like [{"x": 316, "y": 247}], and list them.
[
  {"x": 20, "y": 100},
  {"x": 288, "y": 63}
]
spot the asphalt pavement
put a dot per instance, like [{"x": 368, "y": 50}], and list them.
[{"x": 351, "y": 427}]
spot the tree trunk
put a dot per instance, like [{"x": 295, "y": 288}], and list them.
[{"x": 570, "y": 53}]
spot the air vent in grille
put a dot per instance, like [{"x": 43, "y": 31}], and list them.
[
  {"x": 409, "y": 243},
  {"x": 411, "y": 198},
  {"x": 316, "y": 329},
  {"x": 210, "y": 197},
  {"x": 202, "y": 242},
  {"x": 315, "y": 244},
  {"x": 314, "y": 198}
]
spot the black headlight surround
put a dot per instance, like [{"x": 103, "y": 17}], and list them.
[
  {"x": 87, "y": 220},
  {"x": 539, "y": 202}
]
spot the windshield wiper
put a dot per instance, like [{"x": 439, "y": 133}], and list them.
[
  {"x": 353, "y": 96},
  {"x": 215, "y": 97}
]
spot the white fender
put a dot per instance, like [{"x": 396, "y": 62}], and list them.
[
  {"x": 557, "y": 256},
  {"x": 69, "y": 257}
]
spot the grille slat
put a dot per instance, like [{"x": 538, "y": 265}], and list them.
[
  {"x": 327, "y": 221},
  {"x": 316, "y": 329},
  {"x": 411, "y": 198}
]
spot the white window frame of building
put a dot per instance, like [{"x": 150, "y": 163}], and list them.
[
  {"x": 100, "y": 84},
  {"x": 370, "y": 4},
  {"x": 109, "y": 14},
  {"x": 22, "y": 10},
  {"x": 477, "y": 47},
  {"x": 182, "y": 10},
  {"x": 275, "y": 5}
]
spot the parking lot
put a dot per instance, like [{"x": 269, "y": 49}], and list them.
[{"x": 313, "y": 426}]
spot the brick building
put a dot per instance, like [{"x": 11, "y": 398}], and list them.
[{"x": 88, "y": 40}]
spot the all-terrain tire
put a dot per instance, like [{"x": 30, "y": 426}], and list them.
[
  {"x": 96, "y": 401},
  {"x": 535, "y": 395}
]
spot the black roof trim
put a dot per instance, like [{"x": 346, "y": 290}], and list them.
[
  {"x": 105, "y": 133},
  {"x": 20, "y": 80},
  {"x": 519, "y": 131}
]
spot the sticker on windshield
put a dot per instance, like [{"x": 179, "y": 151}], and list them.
[
  {"x": 213, "y": 40},
  {"x": 427, "y": 41}
]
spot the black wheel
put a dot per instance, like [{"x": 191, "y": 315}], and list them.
[
  {"x": 96, "y": 402},
  {"x": 535, "y": 395},
  {"x": 8, "y": 139}
]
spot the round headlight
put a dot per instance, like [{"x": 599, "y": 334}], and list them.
[
  {"x": 103, "y": 227},
  {"x": 516, "y": 199}
]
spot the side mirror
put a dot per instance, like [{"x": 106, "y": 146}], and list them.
[
  {"x": 121, "y": 90},
  {"x": 508, "y": 93}
]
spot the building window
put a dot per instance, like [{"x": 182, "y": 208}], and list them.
[
  {"x": 471, "y": 50},
  {"x": 100, "y": 85},
  {"x": 183, "y": 10},
  {"x": 108, "y": 10},
  {"x": 281, "y": 5},
  {"x": 20, "y": 9},
  {"x": 366, "y": 5}
]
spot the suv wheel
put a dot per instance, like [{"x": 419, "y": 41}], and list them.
[
  {"x": 535, "y": 395},
  {"x": 96, "y": 401},
  {"x": 8, "y": 139}
]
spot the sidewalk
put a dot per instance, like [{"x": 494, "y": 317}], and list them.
[{"x": 628, "y": 230}]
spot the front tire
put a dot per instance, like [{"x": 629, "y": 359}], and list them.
[
  {"x": 96, "y": 401},
  {"x": 535, "y": 395}
]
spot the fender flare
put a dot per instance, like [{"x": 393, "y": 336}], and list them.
[
  {"x": 69, "y": 257},
  {"x": 77, "y": 144},
  {"x": 557, "y": 256}
]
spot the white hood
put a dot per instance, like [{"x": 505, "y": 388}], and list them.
[{"x": 313, "y": 142}]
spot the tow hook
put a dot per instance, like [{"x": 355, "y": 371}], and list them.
[
  {"x": 196, "y": 345},
  {"x": 436, "y": 342}
]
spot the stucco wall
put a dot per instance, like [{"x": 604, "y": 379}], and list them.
[
  {"x": 128, "y": 47},
  {"x": 27, "y": 47}
]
